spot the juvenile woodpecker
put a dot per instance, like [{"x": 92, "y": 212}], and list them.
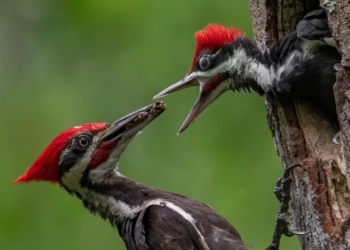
[
  {"x": 83, "y": 160},
  {"x": 300, "y": 65}
]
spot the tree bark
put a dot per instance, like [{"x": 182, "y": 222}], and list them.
[{"x": 320, "y": 195}]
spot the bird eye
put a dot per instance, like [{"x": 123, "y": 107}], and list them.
[
  {"x": 83, "y": 142},
  {"x": 203, "y": 63}
]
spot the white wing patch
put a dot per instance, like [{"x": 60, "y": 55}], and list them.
[
  {"x": 295, "y": 56},
  {"x": 288, "y": 66}
]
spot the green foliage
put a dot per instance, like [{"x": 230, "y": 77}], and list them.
[{"x": 64, "y": 63}]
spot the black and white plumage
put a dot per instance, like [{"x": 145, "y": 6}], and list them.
[
  {"x": 300, "y": 65},
  {"x": 84, "y": 161},
  {"x": 162, "y": 220},
  {"x": 308, "y": 61}
]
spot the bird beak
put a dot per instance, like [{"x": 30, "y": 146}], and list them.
[
  {"x": 210, "y": 89},
  {"x": 132, "y": 123},
  {"x": 188, "y": 81}
]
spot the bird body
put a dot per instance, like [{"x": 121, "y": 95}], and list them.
[
  {"x": 294, "y": 67},
  {"x": 148, "y": 218},
  {"x": 83, "y": 160}
]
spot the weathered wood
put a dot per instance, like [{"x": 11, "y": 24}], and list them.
[{"x": 320, "y": 193}]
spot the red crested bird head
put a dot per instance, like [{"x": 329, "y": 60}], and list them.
[
  {"x": 213, "y": 58},
  {"x": 46, "y": 166},
  {"x": 92, "y": 149},
  {"x": 212, "y": 38}
]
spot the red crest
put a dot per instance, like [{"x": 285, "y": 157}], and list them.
[
  {"x": 213, "y": 37},
  {"x": 45, "y": 168}
]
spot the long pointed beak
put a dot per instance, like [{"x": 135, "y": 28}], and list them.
[
  {"x": 198, "y": 107},
  {"x": 208, "y": 92},
  {"x": 132, "y": 123},
  {"x": 187, "y": 82}
]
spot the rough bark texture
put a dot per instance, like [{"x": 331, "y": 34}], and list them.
[{"x": 320, "y": 192}]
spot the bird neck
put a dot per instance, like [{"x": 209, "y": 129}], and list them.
[
  {"x": 114, "y": 198},
  {"x": 250, "y": 69},
  {"x": 118, "y": 198}
]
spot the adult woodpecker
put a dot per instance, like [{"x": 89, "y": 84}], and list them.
[
  {"x": 300, "y": 65},
  {"x": 83, "y": 160}
]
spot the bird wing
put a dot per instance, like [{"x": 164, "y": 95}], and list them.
[
  {"x": 126, "y": 231},
  {"x": 314, "y": 26},
  {"x": 224, "y": 240},
  {"x": 181, "y": 223},
  {"x": 157, "y": 227},
  {"x": 164, "y": 228}
]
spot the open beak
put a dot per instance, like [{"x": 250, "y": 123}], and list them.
[
  {"x": 132, "y": 123},
  {"x": 208, "y": 92}
]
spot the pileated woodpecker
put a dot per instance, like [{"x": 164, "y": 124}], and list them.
[
  {"x": 300, "y": 65},
  {"x": 83, "y": 160}
]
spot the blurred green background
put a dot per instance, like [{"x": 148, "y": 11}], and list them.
[{"x": 64, "y": 63}]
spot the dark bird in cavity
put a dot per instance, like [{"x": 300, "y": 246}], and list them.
[
  {"x": 83, "y": 160},
  {"x": 300, "y": 65}
]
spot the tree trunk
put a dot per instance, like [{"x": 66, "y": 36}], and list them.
[{"x": 320, "y": 195}]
